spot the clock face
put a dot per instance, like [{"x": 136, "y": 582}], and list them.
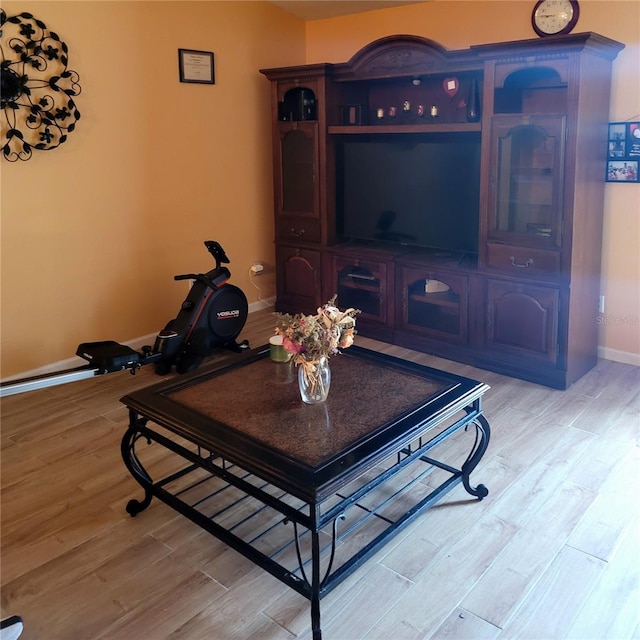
[{"x": 554, "y": 17}]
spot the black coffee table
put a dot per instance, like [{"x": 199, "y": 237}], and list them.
[{"x": 288, "y": 484}]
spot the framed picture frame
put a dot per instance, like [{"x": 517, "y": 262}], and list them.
[
  {"x": 623, "y": 152},
  {"x": 196, "y": 66}
]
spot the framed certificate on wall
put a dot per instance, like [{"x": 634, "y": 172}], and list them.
[{"x": 196, "y": 66}]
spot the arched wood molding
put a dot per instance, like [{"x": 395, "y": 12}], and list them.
[{"x": 403, "y": 55}]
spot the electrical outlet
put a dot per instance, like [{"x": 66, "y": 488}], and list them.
[{"x": 257, "y": 267}]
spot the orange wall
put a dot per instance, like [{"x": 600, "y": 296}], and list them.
[
  {"x": 93, "y": 231},
  {"x": 458, "y": 24}
]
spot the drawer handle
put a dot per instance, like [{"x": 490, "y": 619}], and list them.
[
  {"x": 297, "y": 234},
  {"x": 526, "y": 265}
]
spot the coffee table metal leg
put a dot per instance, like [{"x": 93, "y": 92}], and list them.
[
  {"x": 483, "y": 434},
  {"x": 139, "y": 473},
  {"x": 318, "y": 581},
  {"x": 315, "y": 585}
]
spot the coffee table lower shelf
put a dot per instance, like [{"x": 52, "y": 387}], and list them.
[{"x": 306, "y": 545}]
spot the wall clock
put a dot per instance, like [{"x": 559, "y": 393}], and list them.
[
  {"x": 37, "y": 91},
  {"x": 554, "y": 17}
]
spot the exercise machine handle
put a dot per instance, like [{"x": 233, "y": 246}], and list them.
[
  {"x": 217, "y": 252},
  {"x": 220, "y": 276}
]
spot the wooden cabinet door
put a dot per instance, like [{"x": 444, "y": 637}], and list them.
[
  {"x": 296, "y": 169},
  {"x": 522, "y": 320},
  {"x": 298, "y": 273}
]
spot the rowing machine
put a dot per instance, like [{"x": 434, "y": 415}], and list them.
[{"x": 211, "y": 317}]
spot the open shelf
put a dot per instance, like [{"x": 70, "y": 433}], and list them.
[
  {"x": 435, "y": 314},
  {"x": 360, "y": 288},
  {"x": 442, "y": 299},
  {"x": 448, "y": 127}
]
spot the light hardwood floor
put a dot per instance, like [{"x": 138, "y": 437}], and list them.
[{"x": 552, "y": 552}]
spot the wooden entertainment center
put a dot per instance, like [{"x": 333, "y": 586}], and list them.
[{"x": 523, "y": 303}]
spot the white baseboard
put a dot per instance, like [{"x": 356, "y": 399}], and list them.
[
  {"x": 619, "y": 356},
  {"x": 136, "y": 343},
  {"x": 262, "y": 304}
]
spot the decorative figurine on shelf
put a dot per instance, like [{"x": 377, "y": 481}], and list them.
[
  {"x": 451, "y": 86},
  {"x": 473, "y": 103}
]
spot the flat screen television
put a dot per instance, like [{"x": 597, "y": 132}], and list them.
[{"x": 415, "y": 191}]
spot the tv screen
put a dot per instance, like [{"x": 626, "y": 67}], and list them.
[{"x": 422, "y": 193}]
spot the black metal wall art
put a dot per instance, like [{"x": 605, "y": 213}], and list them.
[{"x": 37, "y": 91}]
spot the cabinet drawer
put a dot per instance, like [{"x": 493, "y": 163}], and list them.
[
  {"x": 297, "y": 230},
  {"x": 523, "y": 260}
]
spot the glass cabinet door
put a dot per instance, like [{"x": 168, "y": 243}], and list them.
[
  {"x": 526, "y": 180},
  {"x": 298, "y": 168},
  {"x": 435, "y": 304}
]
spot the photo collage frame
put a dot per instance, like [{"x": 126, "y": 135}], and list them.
[{"x": 623, "y": 152}]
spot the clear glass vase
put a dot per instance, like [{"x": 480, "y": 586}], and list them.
[{"x": 314, "y": 380}]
